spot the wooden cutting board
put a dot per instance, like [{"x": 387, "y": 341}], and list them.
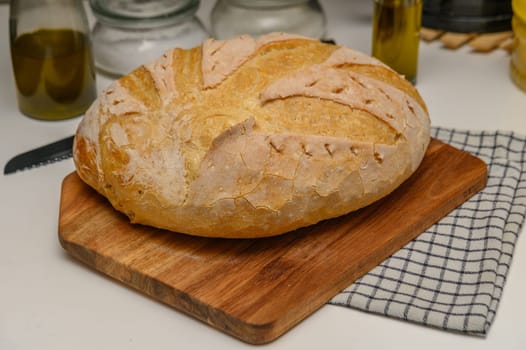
[{"x": 257, "y": 289}]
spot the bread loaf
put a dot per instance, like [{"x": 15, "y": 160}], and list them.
[{"x": 251, "y": 137}]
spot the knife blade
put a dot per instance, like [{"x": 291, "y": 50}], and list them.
[{"x": 50, "y": 153}]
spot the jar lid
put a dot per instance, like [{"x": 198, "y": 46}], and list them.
[
  {"x": 519, "y": 9},
  {"x": 140, "y": 14}
]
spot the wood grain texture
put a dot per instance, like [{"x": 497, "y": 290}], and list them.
[{"x": 257, "y": 289}]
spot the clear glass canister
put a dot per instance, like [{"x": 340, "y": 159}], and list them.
[
  {"x": 51, "y": 58},
  {"x": 130, "y": 33},
  {"x": 231, "y": 18},
  {"x": 518, "y": 54}
]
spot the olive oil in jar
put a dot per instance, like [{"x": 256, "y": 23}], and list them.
[
  {"x": 518, "y": 54},
  {"x": 54, "y": 73},
  {"x": 396, "y": 35}
]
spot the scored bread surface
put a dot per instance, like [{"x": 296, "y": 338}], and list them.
[{"x": 251, "y": 137}]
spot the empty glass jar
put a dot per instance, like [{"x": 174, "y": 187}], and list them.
[
  {"x": 256, "y": 17},
  {"x": 133, "y": 32}
]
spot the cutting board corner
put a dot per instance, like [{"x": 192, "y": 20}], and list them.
[{"x": 258, "y": 289}]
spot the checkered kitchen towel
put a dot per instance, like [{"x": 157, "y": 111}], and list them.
[{"x": 452, "y": 275}]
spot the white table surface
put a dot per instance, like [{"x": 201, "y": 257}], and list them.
[{"x": 50, "y": 301}]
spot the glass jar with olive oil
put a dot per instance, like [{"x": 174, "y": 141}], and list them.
[
  {"x": 51, "y": 58},
  {"x": 396, "y": 35},
  {"x": 518, "y": 54}
]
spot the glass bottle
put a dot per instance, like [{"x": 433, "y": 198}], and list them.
[
  {"x": 52, "y": 58},
  {"x": 396, "y": 35},
  {"x": 256, "y": 17},
  {"x": 518, "y": 54},
  {"x": 133, "y": 32}
]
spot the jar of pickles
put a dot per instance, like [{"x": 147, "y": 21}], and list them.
[{"x": 518, "y": 55}]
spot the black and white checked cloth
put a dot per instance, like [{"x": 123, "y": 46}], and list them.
[{"x": 452, "y": 275}]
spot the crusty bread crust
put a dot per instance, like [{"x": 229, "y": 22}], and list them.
[{"x": 251, "y": 137}]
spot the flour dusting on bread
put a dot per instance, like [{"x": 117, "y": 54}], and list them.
[{"x": 252, "y": 137}]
